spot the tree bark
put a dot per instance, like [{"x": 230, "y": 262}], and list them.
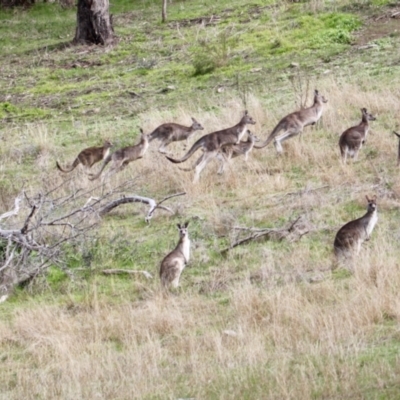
[
  {"x": 164, "y": 11},
  {"x": 94, "y": 23}
]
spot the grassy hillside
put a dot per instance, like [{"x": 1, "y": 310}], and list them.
[{"x": 269, "y": 319}]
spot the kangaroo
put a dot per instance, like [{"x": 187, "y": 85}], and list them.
[
  {"x": 171, "y": 132},
  {"x": 122, "y": 157},
  {"x": 88, "y": 157},
  {"x": 350, "y": 236},
  {"x": 352, "y": 139},
  {"x": 294, "y": 123},
  {"x": 174, "y": 263},
  {"x": 212, "y": 143},
  {"x": 398, "y": 149},
  {"x": 235, "y": 150}
]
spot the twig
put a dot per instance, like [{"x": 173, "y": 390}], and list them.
[
  {"x": 17, "y": 201},
  {"x": 150, "y": 214},
  {"x": 125, "y": 271}
]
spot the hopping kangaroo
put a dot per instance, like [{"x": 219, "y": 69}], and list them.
[
  {"x": 212, "y": 143},
  {"x": 88, "y": 157},
  {"x": 349, "y": 238},
  {"x": 294, "y": 123},
  {"x": 122, "y": 157},
  {"x": 235, "y": 150},
  {"x": 171, "y": 132},
  {"x": 352, "y": 139},
  {"x": 174, "y": 263}
]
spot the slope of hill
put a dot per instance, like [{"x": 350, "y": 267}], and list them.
[{"x": 266, "y": 319}]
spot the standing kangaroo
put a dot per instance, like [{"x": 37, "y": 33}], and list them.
[
  {"x": 171, "y": 132},
  {"x": 122, "y": 157},
  {"x": 235, "y": 150},
  {"x": 174, "y": 263},
  {"x": 212, "y": 143},
  {"x": 352, "y": 139},
  {"x": 350, "y": 236},
  {"x": 88, "y": 157},
  {"x": 294, "y": 123}
]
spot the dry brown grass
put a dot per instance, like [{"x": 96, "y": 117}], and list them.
[{"x": 250, "y": 325}]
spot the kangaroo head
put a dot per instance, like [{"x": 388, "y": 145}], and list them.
[
  {"x": 251, "y": 137},
  {"x": 107, "y": 144},
  {"x": 247, "y": 119},
  {"x": 366, "y": 116},
  {"x": 183, "y": 231},
  {"x": 143, "y": 137},
  {"x": 371, "y": 203},
  {"x": 196, "y": 126},
  {"x": 319, "y": 98}
]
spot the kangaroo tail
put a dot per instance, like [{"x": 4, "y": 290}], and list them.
[
  {"x": 397, "y": 134},
  {"x": 73, "y": 166},
  {"x": 193, "y": 149},
  {"x": 271, "y": 137},
  {"x": 105, "y": 162}
]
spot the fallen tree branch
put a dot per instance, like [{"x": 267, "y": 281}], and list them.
[
  {"x": 126, "y": 271},
  {"x": 17, "y": 201},
  {"x": 293, "y": 232},
  {"x": 139, "y": 199}
]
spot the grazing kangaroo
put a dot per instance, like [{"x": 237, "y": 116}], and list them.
[
  {"x": 294, "y": 123},
  {"x": 235, "y": 150},
  {"x": 122, "y": 157},
  {"x": 213, "y": 142},
  {"x": 398, "y": 149},
  {"x": 174, "y": 263},
  {"x": 349, "y": 238},
  {"x": 88, "y": 157},
  {"x": 171, "y": 132},
  {"x": 352, "y": 139}
]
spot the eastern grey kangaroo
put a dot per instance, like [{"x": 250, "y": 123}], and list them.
[
  {"x": 352, "y": 139},
  {"x": 212, "y": 143},
  {"x": 122, "y": 157},
  {"x": 174, "y": 263},
  {"x": 171, "y": 132},
  {"x": 88, "y": 157},
  {"x": 350, "y": 237},
  {"x": 294, "y": 123}
]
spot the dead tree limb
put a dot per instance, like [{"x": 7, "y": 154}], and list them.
[
  {"x": 126, "y": 271},
  {"x": 139, "y": 199},
  {"x": 292, "y": 232}
]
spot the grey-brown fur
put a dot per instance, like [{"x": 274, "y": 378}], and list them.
[
  {"x": 174, "y": 263},
  {"x": 122, "y": 157},
  {"x": 171, "y": 132},
  {"x": 88, "y": 157},
  {"x": 235, "y": 150},
  {"x": 350, "y": 237},
  {"x": 352, "y": 139},
  {"x": 294, "y": 123},
  {"x": 213, "y": 142}
]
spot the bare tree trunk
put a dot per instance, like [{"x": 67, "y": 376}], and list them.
[
  {"x": 94, "y": 23},
  {"x": 164, "y": 11}
]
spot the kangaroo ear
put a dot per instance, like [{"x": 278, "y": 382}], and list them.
[
  {"x": 316, "y": 92},
  {"x": 179, "y": 226},
  {"x": 186, "y": 224},
  {"x": 364, "y": 110},
  {"x": 193, "y": 119},
  {"x": 246, "y": 112},
  {"x": 368, "y": 199}
]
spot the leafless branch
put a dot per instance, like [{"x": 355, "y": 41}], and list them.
[
  {"x": 125, "y": 271},
  {"x": 292, "y": 232}
]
